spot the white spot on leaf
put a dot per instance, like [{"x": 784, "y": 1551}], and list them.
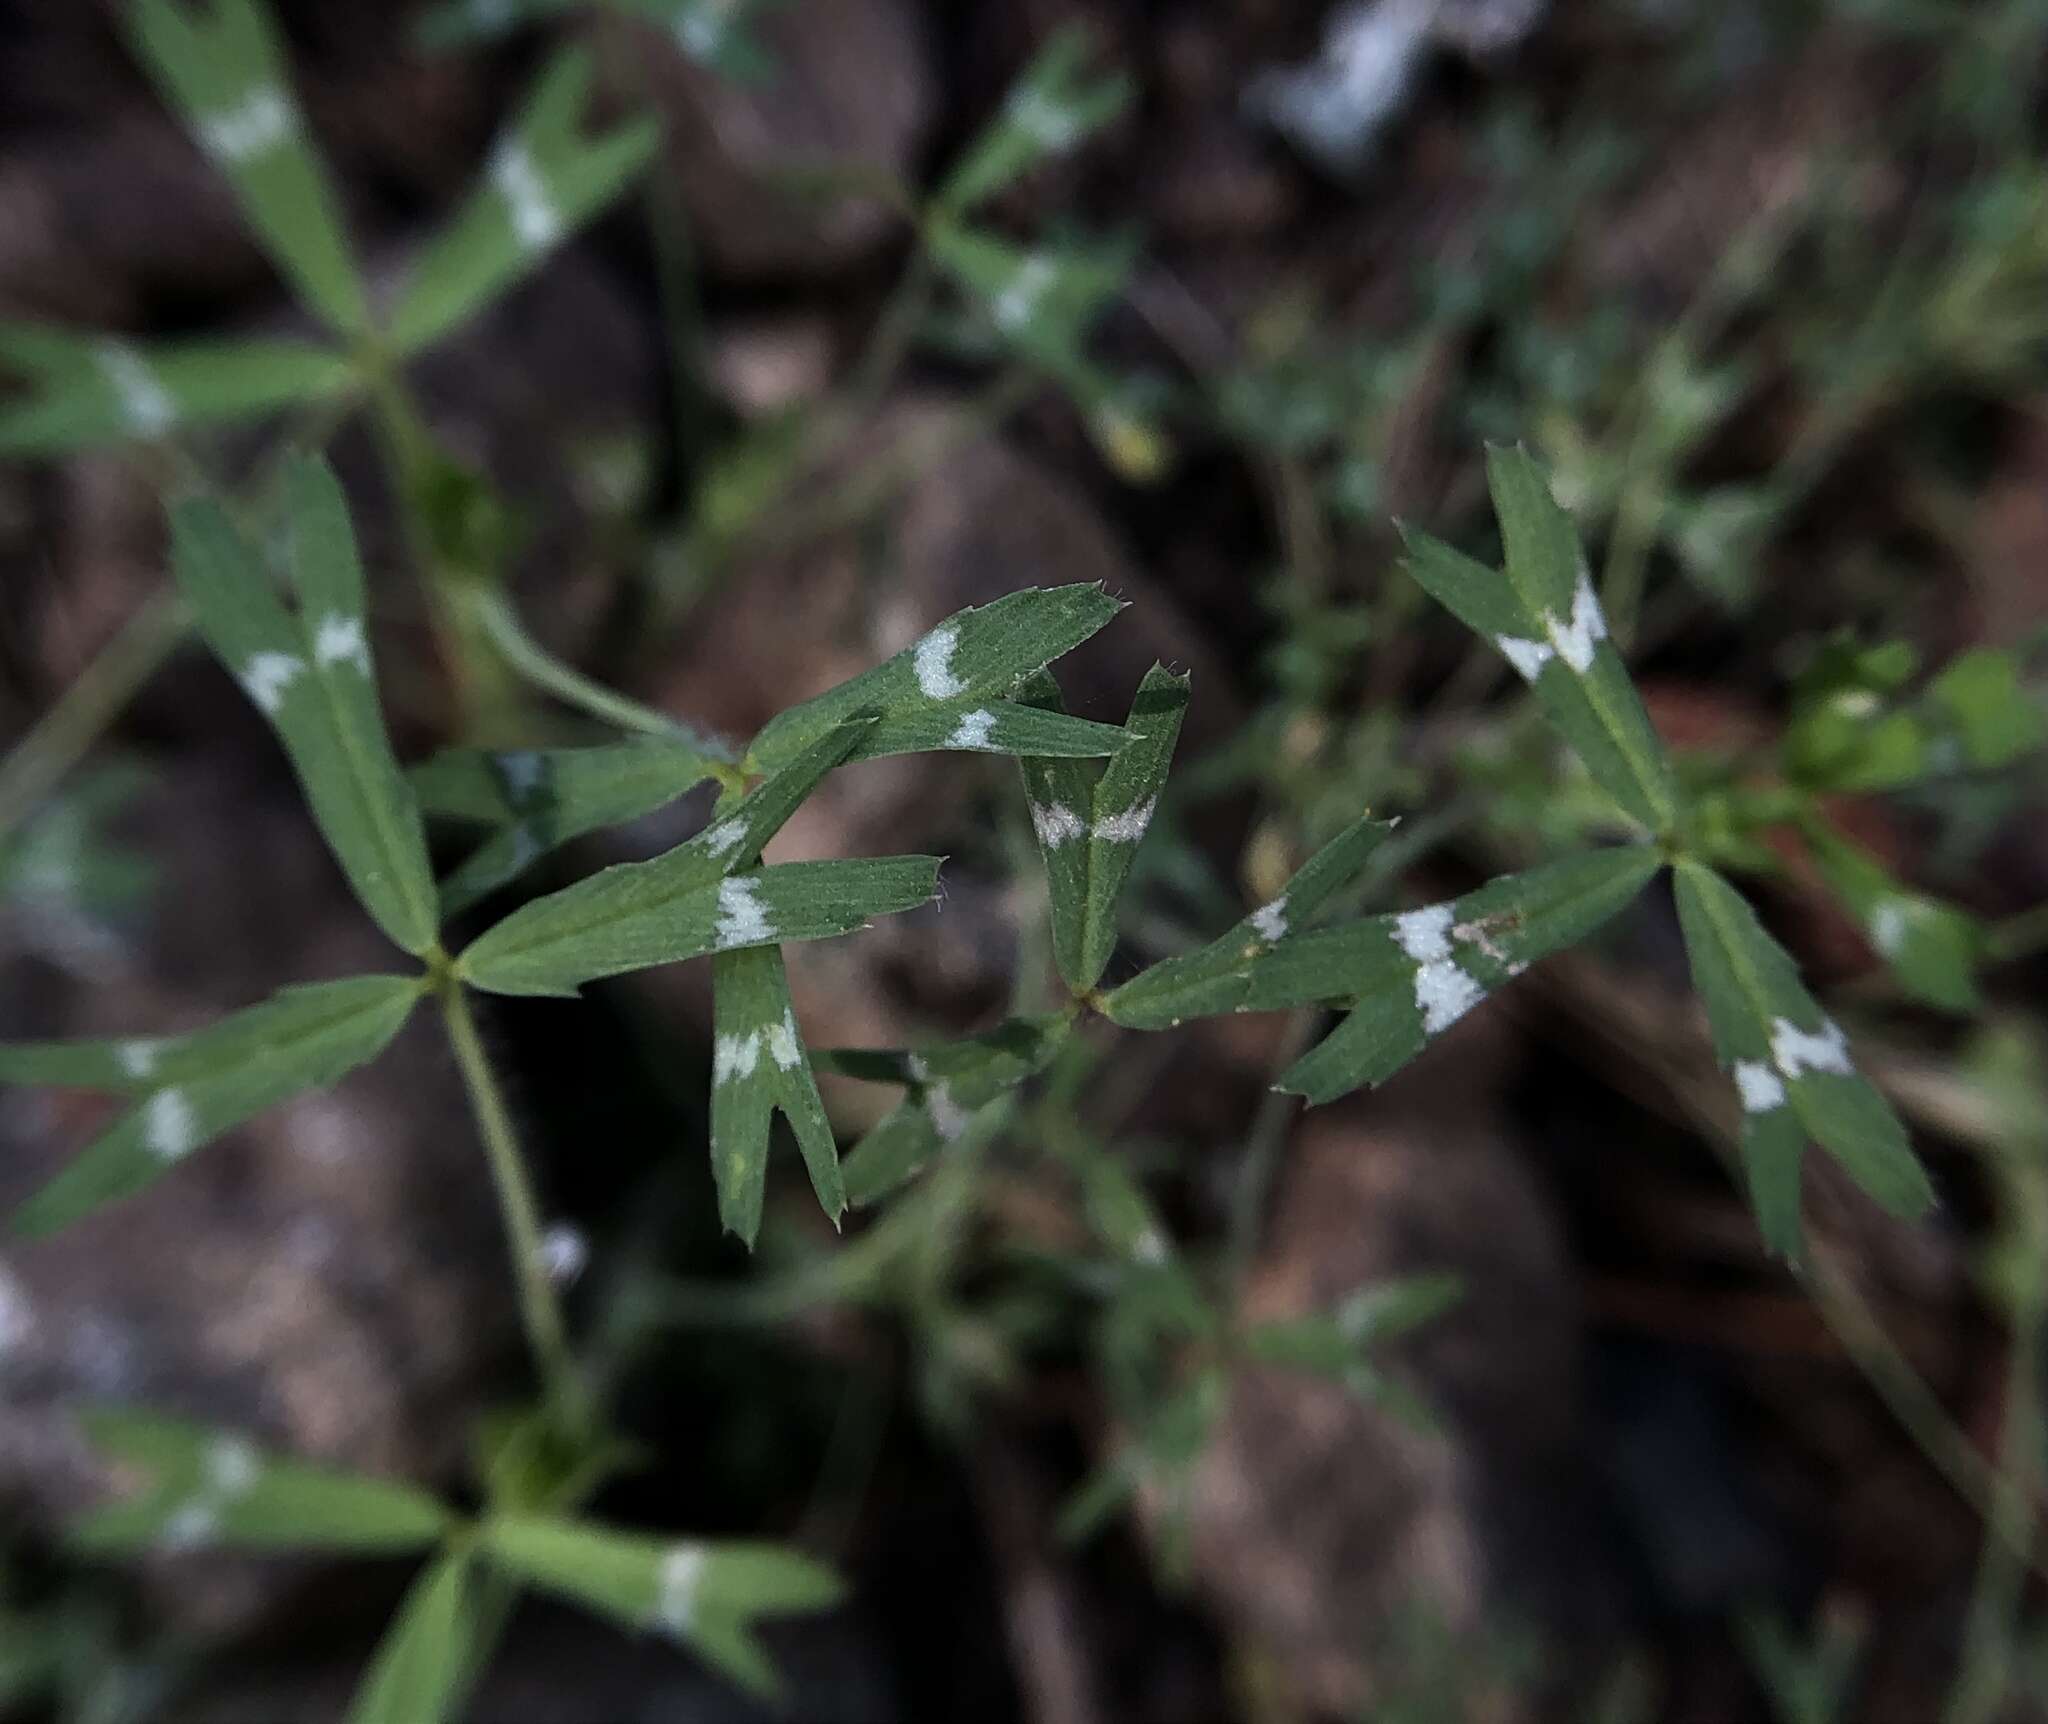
[
  {"x": 520, "y": 770},
  {"x": 268, "y": 675},
  {"x": 339, "y": 640},
  {"x": 1055, "y": 825},
  {"x": 263, "y": 121},
  {"x": 1444, "y": 994},
  {"x": 743, "y": 918},
  {"x": 1889, "y": 924},
  {"x": 1018, "y": 303},
  {"x": 1761, "y": 1088},
  {"x": 1797, "y": 1051},
  {"x": 933, "y": 662},
  {"x": 682, "y": 1572},
  {"x": 973, "y": 730},
  {"x": 535, "y": 222},
  {"x": 138, "y": 1059},
  {"x": 563, "y": 1252},
  {"x": 145, "y": 404},
  {"x": 1425, "y": 934},
  {"x": 947, "y": 1114},
  {"x": 734, "y": 1057},
  {"x": 722, "y": 837},
  {"x": 1049, "y": 124},
  {"x": 1127, "y": 827},
  {"x": 232, "y": 1467},
  {"x": 1575, "y": 641},
  {"x": 1270, "y": 923},
  {"x": 194, "y": 1524},
  {"x": 169, "y": 1128},
  {"x": 783, "y": 1046}
]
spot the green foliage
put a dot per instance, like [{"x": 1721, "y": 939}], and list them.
[
  {"x": 89, "y": 389},
  {"x": 1089, "y": 825},
  {"x": 211, "y": 1488},
  {"x": 309, "y": 672},
  {"x": 536, "y": 800},
  {"x": 952, "y": 688},
  {"x": 760, "y": 1066},
  {"x": 421, "y": 1664},
  {"x": 708, "y": 1595},
  {"x": 948, "y": 1086},
  {"x": 1545, "y": 619},
  {"x": 220, "y": 66},
  {"x": 1791, "y": 1066},
  {"x": 1217, "y": 978},
  {"x": 700, "y": 897},
  {"x": 1051, "y": 110},
  {"x": 544, "y": 182},
  {"x": 186, "y": 1091}
]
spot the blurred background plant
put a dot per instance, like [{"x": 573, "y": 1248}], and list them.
[{"x": 765, "y": 337}]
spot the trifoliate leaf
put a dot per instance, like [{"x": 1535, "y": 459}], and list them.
[
  {"x": 696, "y": 900},
  {"x": 949, "y": 1084},
  {"x": 422, "y": 1662},
  {"x": 540, "y": 799},
  {"x": 949, "y": 689},
  {"x": 1931, "y": 947},
  {"x": 1217, "y": 978},
  {"x": 311, "y": 675},
  {"x": 219, "y": 64},
  {"x": 759, "y": 1065},
  {"x": 1791, "y": 1066},
  {"x": 1041, "y": 302},
  {"x": 1089, "y": 823},
  {"x": 188, "y": 1090},
  {"x": 1413, "y": 975},
  {"x": 1544, "y": 618},
  {"x": 207, "y": 1488},
  {"x": 705, "y": 1594},
  {"x": 545, "y": 181},
  {"x": 1051, "y": 110},
  {"x": 86, "y": 391}
]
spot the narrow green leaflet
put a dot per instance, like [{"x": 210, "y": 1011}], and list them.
[
  {"x": 759, "y": 1065},
  {"x": 310, "y": 674},
  {"x": 692, "y": 901},
  {"x": 1217, "y": 978},
  {"x": 545, "y": 180},
  {"x": 706, "y": 1594},
  {"x": 1413, "y": 975},
  {"x": 189, "y": 1090},
  {"x": 1336, "y": 1344},
  {"x": 219, "y": 64},
  {"x": 948, "y": 690},
  {"x": 203, "y": 1487},
  {"x": 1546, "y": 621},
  {"x": 1791, "y": 1066},
  {"x": 1932, "y": 948},
  {"x": 258, "y": 1035},
  {"x": 1051, "y": 110},
  {"x": 88, "y": 390},
  {"x": 539, "y": 799},
  {"x": 1089, "y": 824},
  {"x": 425, "y": 1655},
  {"x": 949, "y": 1084},
  {"x": 1041, "y": 300}
]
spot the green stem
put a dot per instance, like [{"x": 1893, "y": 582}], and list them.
[
  {"x": 532, "y": 662},
  {"x": 2021, "y": 935},
  {"x": 539, "y": 1311},
  {"x": 61, "y": 738}
]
